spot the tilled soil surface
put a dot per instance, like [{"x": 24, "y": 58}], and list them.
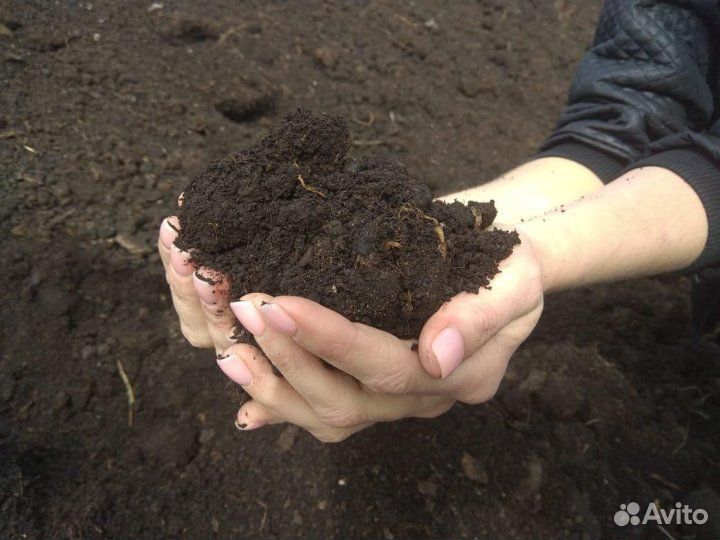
[{"x": 108, "y": 108}]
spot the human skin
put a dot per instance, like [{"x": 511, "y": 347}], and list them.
[
  {"x": 531, "y": 189},
  {"x": 646, "y": 222}
]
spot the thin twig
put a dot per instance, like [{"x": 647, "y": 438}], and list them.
[
  {"x": 665, "y": 482},
  {"x": 130, "y": 394},
  {"x": 29, "y": 179},
  {"x": 229, "y": 32},
  {"x": 364, "y": 123},
  {"x": 406, "y": 21},
  {"x": 264, "y": 517},
  {"x": 304, "y": 184},
  {"x": 685, "y": 440},
  {"x": 670, "y": 536},
  {"x": 374, "y": 142},
  {"x": 308, "y": 187}
]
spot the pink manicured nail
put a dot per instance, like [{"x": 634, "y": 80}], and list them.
[
  {"x": 180, "y": 261},
  {"x": 235, "y": 369},
  {"x": 249, "y": 317},
  {"x": 449, "y": 349},
  {"x": 248, "y": 427},
  {"x": 205, "y": 289},
  {"x": 167, "y": 233},
  {"x": 278, "y": 318}
]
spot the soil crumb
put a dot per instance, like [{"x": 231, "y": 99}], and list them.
[{"x": 294, "y": 215}]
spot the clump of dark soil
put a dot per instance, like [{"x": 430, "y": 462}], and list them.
[{"x": 292, "y": 214}]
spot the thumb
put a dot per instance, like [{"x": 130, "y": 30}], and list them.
[{"x": 459, "y": 328}]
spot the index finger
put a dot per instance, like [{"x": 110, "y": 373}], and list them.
[{"x": 378, "y": 359}]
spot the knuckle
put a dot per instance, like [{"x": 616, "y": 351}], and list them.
[
  {"x": 267, "y": 389},
  {"x": 485, "y": 318},
  {"x": 184, "y": 295},
  {"x": 283, "y": 361},
  {"x": 437, "y": 410},
  {"x": 478, "y": 395},
  {"x": 339, "y": 350},
  {"x": 473, "y": 398},
  {"x": 339, "y": 417},
  {"x": 433, "y": 412},
  {"x": 214, "y": 313},
  {"x": 331, "y": 435},
  {"x": 533, "y": 272},
  {"x": 393, "y": 383},
  {"x": 195, "y": 339}
]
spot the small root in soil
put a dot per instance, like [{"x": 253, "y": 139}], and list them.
[
  {"x": 308, "y": 187},
  {"x": 437, "y": 227},
  {"x": 129, "y": 392}
]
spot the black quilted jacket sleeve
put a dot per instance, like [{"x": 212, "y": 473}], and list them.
[{"x": 646, "y": 93}]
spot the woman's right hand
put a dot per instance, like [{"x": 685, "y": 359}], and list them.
[{"x": 200, "y": 296}]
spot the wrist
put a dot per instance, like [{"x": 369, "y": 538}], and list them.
[
  {"x": 646, "y": 222},
  {"x": 533, "y": 189},
  {"x": 547, "y": 249}
]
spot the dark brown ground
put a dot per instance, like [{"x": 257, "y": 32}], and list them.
[
  {"x": 109, "y": 108},
  {"x": 292, "y": 214}
]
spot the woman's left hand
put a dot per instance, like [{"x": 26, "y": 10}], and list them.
[
  {"x": 329, "y": 403},
  {"x": 461, "y": 356}
]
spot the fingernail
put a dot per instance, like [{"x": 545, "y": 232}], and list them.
[
  {"x": 249, "y": 317},
  {"x": 278, "y": 318},
  {"x": 449, "y": 349},
  {"x": 168, "y": 231},
  {"x": 180, "y": 261},
  {"x": 247, "y": 427},
  {"x": 235, "y": 369},
  {"x": 205, "y": 288}
]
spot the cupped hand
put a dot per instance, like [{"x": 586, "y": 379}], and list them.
[
  {"x": 462, "y": 355},
  {"x": 200, "y": 295}
]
